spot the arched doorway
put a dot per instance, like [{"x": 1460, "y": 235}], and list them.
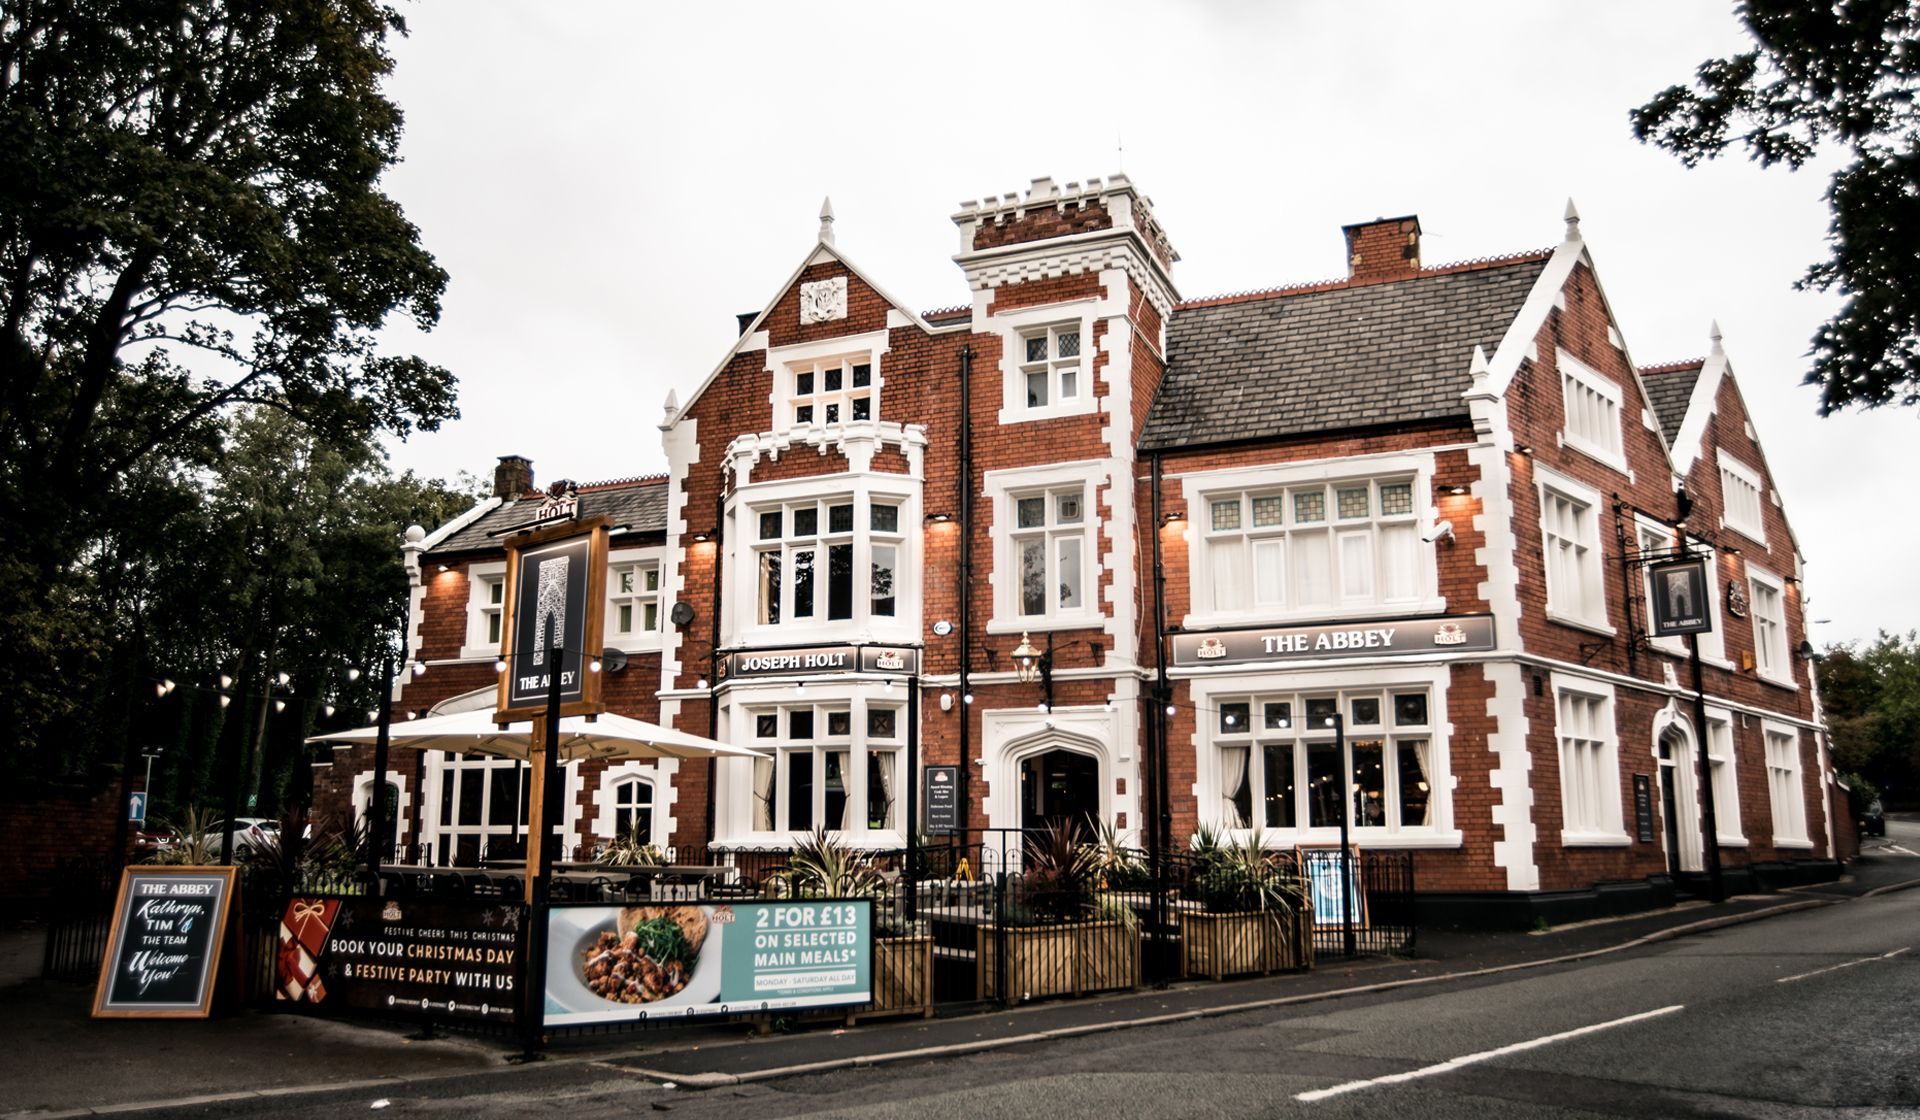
[
  {"x": 1679, "y": 801},
  {"x": 1057, "y": 786}
]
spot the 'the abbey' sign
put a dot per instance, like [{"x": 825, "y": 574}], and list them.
[{"x": 1371, "y": 638}]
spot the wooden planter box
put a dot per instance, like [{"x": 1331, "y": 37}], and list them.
[
  {"x": 1070, "y": 959},
  {"x": 1218, "y": 945},
  {"x": 902, "y": 979}
]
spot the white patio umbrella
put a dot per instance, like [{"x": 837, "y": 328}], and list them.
[{"x": 606, "y": 736}]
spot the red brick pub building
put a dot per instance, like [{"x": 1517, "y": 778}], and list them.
[{"x": 1411, "y": 497}]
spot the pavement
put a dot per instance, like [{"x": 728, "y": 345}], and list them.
[{"x": 58, "y": 1062}]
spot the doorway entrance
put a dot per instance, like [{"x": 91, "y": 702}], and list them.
[
  {"x": 1059, "y": 786},
  {"x": 1680, "y": 803}
]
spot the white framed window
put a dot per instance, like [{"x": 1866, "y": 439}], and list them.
[
  {"x": 833, "y": 765},
  {"x": 1046, "y": 360},
  {"x": 1046, "y": 570},
  {"x": 1589, "y": 761},
  {"x": 1570, "y": 539},
  {"x": 1742, "y": 496},
  {"x": 1282, "y": 768},
  {"x": 819, "y": 560},
  {"x": 486, "y": 600},
  {"x": 1592, "y": 412},
  {"x": 1050, "y": 366},
  {"x": 827, "y": 384},
  {"x": 1314, "y": 548},
  {"x": 1726, "y": 785},
  {"x": 1311, "y": 540},
  {"x": 1767, "y": 609},
  {"x": 832, "y": 391},
  {"x": 633, "y": 602},
  {"x": 633, "y": 809},
  {"x": 1784, "y": 788},
  {"x": 1050, "y": 550}
]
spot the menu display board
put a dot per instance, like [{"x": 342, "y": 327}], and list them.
[
  {"x": 436, "y": 960},
  {"x": 942, "y": 798},
  {"x": 1320, "y": 867},
  {"x": 163, "y": 953},
  {"x": 611, "y": 964}
]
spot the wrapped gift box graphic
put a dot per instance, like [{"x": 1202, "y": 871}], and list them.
[{"x": 304, "y": 929}]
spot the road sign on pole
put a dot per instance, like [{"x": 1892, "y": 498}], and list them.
[{"x": 137, "y": 807}]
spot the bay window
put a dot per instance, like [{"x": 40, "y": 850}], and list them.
[
  {"x": 820, "y": 769},
  {"x": 806, "y": 560},
  {"x": 1283, "y": 768}
]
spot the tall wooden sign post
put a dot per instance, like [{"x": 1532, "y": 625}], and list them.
[{"x": 555, "y": 608}]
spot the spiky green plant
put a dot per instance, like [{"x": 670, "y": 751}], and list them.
[
  {"x": 823, "y": 867},
  {"x": 1116, "y": 866},
  {"x": 631, "y": 851},
  {"x": 192, "y": 845},
  {"x": 1243, "y": 878}
]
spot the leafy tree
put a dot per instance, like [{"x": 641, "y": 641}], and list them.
[
  {"x": 1872, "y": 701},
  {"x": 1834, "y": 76},
  {"x": 190, "y": 220}
]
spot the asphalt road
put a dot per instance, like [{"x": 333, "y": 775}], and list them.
[{"x": 1806, "y": 1014}]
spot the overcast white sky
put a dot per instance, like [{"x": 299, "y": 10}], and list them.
[{"x": 610, "y": 183}]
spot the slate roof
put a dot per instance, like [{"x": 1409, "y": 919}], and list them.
[
  {"x": 1669, "y": 388},
  {"x": 639, "y": 504},
  {"x": 1330, "y": 357}
]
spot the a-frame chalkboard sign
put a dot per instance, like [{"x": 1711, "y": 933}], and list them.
[{"x": 170, "y": 927}]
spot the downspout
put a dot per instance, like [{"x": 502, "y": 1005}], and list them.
[
  {"x": 713, "y": 645},
  {"x": 1160, "y": 831},
  {"x": 966, "y": 589}
]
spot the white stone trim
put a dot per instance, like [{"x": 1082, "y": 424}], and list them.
[
  {"x": 1013, "y": 327},
  {"x": 682, "y": 444},
  {"x": 362, "y": 797},
  {"x": 1010, "y": 735},
  {"x": 871, "y": 347}
]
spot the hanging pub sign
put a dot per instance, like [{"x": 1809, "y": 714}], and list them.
[
  {"x": 1680, "y": 598},
  {"x": 1461, "y": 633},
  {"x": 555, "y": 610},
  {"x": 164, "y": 946}
]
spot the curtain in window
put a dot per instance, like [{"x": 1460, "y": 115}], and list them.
[
  {"x": 763, "y": 794},
  {"x": 1233, "y": 773},
  {"x": 880, "y": 788},
  {"x": 838, "y": 783},
  {"x": 1423, "y": 767}
]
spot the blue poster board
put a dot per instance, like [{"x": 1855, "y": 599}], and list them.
[{"x": 1320, "y": 868}]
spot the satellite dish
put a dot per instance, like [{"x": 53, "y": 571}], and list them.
[
  {"x": 613, "y": 660},
  {"x": 681, "y": 614}
]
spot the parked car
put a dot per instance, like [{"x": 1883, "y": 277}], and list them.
[
  {"x": 1873, "y": 820},
  {"x": 248, "y": 833},
  {"x": 147, "y": 843}
]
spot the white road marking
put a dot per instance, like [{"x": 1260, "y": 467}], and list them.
[
  {"x": 1901, "y": 850},
  {"x": 1485, "y": 1055},
  {"x": 1837, "y": 967}
]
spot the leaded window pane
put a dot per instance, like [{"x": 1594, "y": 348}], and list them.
[
  {"x": 862, "y": 376},
  {"x": 1320, "y": 711},
  {"x": 1226, "y": 515},
  {"x": 1396, "y": 498},
  {"x": 839, "y": 723},
  {"x": 1353, "y": 501},
  {"x": 803, "y": 414},
  {"x": 1068, "y": 344},
  {"x": 1309, "y": 506},
  {"x": 770, "y": 525},
  {"x": 1410, "y": 709},
  {"x": 881, "y": 722},
  {"x": 862, "y": 408},
  {"x": 840, "y": 519},
  {"x": 1268, "y": 510},
  {"x": 803, "y": 383},
  {"x": 1365, "y": 711},
  {"x": 1279, "y": 715},
  {"x": 886, "y": 519},
  {"x": 766, "y": 725},
  {"x": 1037, "y": 348},
  {"x": 1067, "y": 508},
  {"x": 833, "y": 379},
  {"x": 806, "y": 521},
  {"x": 1031, "y": 513}
]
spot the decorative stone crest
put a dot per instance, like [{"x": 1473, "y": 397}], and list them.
[
  {"x": 823, "y": 300},
  {"x": 1736, "y": 598}
]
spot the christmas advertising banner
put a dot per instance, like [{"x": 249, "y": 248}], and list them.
[{"x": 437, "y": 960}]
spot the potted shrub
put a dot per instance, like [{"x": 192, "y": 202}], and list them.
[
  {"x": 1252, "y": 915},
  {"x": 1059, "y": 934},
  {"x": 823, "y": 867}
]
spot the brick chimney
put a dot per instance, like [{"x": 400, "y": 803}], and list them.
[
  {"x": 513, "y": 477},
  {"x": 1383, "y": 249}
]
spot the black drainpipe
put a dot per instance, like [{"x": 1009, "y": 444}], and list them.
[
  {"x": 1162, "y": 692},
  {"x": 966, "y": 588},
  {"x": 716, "y": 538}
]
